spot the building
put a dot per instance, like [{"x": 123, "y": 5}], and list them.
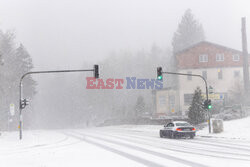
[
  {"x": 221, "y": 66},
  {"x": 166, "y": 103}
]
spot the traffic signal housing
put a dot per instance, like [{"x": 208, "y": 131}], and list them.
[
  {"x": 96, "y": 71},
  {"x": 207, "y": 104},
  {"x": 159, "y": 73},
  {"x": 24, "y": 103}
]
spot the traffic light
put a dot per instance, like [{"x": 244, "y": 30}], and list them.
[
  {"x": 159, "y": 73},
  {"x": 24, "y": 103},
  {"x": 96, "y": 71},
  {"x": 207, "y": 104}
]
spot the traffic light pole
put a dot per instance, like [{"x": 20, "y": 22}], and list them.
[
  {"x": 44, "y": 72},
  {"x": 205, "y": 81}
]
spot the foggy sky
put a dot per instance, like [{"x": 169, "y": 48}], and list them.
[{"x": 66, "y": 33}]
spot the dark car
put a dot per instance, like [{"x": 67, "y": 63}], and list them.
[{"x": 178, "y": 129}]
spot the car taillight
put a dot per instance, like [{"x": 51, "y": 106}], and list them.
[
  {"x": 178, "y": 129},
  {"x": 193, "y": 129}
]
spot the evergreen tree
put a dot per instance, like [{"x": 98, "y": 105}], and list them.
[
  {"x": 25, "y": 66},
  {"x": 17, "y": 61},
  {"x": 196, "y": 112},
  {"x": 189, "y": 32}
]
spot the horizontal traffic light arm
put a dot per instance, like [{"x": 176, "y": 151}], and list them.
[
  {"x": 21, "y": 103},
  {"x": 194, "y": 75},
  {"x": 56, "y": 71}
]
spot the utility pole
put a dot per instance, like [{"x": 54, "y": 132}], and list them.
[{"x": 245, "y": 57}]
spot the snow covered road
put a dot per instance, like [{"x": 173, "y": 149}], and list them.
[
  {"x": 129, "y": 145},
  {"x": 197, "y": 152}
]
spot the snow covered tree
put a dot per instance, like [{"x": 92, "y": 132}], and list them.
[
  {"x": 25, "y": 65},
  {"x": 17, "y": 61},
  {"x": 196, "y": 112},
  {"x": 189, "y": 32}
]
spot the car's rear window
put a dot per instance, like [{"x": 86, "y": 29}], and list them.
[{"x": 183, "y": 124}]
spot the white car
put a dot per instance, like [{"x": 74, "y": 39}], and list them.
[{"x": 178, "y": 129}]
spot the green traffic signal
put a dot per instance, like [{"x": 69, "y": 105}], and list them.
[
  {"x": 207, "y": 104},
  {"x": 159, "y": 73},
  {"x": 159, "y": 77}
]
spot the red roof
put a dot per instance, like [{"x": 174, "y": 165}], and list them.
[{"x": 189, "y": 58}]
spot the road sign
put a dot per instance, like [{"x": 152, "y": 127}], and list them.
[
  {"x": 12, "y": 109},
  {"x": 215, "y": 96}
]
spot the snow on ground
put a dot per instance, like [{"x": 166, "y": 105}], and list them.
[
  {"x": 51, "y": 149},
  {"x": 126, "y": 145},
  {"x": 234, "y": 129}
]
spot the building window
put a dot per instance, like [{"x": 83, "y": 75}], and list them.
[
  {"x": 220, "y": 76},
  {"x": 236, "y": 57},
  {"x": 171, "y": 102},
  {"x": 219, "y": 57},
  {"x": 189, "y": 77},
  {"x": 162, "y": 100},
  {"x": 203, "y": 58},
  {"x": 204, "y": 74},
  {"x": 236, "y": 74}
]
